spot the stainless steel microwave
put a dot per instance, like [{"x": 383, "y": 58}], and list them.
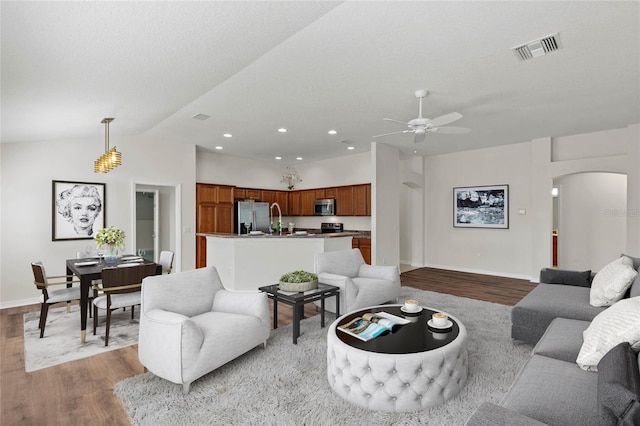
[{"x": 324, "y": 207}]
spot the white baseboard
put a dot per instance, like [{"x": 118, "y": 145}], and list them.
[
  {"x": 16, "y": 303},
  {"x": 483, "y": 272}
]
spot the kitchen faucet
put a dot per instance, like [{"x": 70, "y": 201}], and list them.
[{"x": 279, "y": 216}]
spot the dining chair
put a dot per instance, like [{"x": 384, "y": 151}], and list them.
[
  {"x": 120, "y": 288},
  {"x": 166, "y": 260},
  {"x": 50, "y": 296}
]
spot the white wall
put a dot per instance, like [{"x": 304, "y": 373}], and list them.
[
  {"x": 502, "y": 251},
  {"x": 592, "y": 224},
  {"x": 385, "y": 205},
  {"x": 529, "y": 169},
  {"x": 27, "y": 171}
]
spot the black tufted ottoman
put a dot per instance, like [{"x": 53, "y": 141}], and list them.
[{"x": 409, "y": 370}]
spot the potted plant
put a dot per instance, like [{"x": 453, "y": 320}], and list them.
[
  {"x": 111, "y": 239},
  {"x": 298, "y": 281}
]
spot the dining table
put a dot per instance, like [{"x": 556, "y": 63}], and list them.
[{"x": 90, "y": 269}]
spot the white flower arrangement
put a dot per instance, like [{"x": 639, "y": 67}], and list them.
[{"x": 111, "y": 236}]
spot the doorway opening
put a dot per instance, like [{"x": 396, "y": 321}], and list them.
[{"x": 156, "y": 221}]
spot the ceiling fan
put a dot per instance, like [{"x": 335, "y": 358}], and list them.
[{"x": 421, "y": 125}]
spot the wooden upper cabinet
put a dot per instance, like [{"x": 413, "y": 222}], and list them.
[
  {"x": 282, "y": 198},
  {"x": 320, "y": 193},
  {"x": 295, "y": 203},
  {"x": 254, "y": 194},
  {"x": 208, "y": 193},
  {"x": 362, "y": 200},
  {"x": 239, "y": 193},
  {"x": 344, "y": 201},
  {"x": 268, "y": 196},
  {"x": 330, "y": 192},
  {"x": 307, "y": 198}
]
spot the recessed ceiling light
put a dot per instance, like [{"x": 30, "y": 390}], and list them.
[
  {"x": 218, "y": 147},
  {"x": 351, "y": 147},
  {"x": 282, "y": 130},
  {"x": 278, "y": 158},
  {"x": 201, "y": 116},
  {"x": 227, "y": 135},
  {"x": 332, "y": 132},
  {"x": 298, "y": 158}
]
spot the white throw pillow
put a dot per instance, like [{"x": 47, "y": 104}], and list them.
[
  {"x": 611, "y": 282},
  {"x": 617, "y": 324}
]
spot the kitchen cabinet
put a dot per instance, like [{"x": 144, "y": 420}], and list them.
[
  {"x": 320, "y": 193},
  {"x": 362, "y": 200},
  {"x": 307, "y": 198},
  {"x": 254, "y": 194},
  {"x": 344, "y": 201},
  {"x": 214, "y": 213},
  {"x": 268, "y": 196},
  {"x": 295, "y": 203},
  {"x": 364, "y": 244},
  {"x": 330, "y": 193},
  {"x": 282, "y": 198}
]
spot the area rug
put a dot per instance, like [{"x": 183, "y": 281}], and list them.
[
  {"x": 286, "y": 384},
  {"x": 61, "y": 341}
]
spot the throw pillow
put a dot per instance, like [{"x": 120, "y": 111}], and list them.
[
  {"x": 617, "y": 324},
  {"x": 562, "y": 276},
  {"x": 619, "y": 387},
  {"x": 610, "y": 284}
]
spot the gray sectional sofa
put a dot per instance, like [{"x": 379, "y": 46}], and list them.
[
  {"x": 560, "y": 294},
  {"x": 551, "y": 389}
]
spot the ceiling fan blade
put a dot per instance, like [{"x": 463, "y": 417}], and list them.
[
  {"x": 396, "y": 121},
  {"x": 450, "y": 130},
  {"x": 446, "y": 119},
  {"x": 419, "y": 137},
  {"x": 392, "y": 133}
]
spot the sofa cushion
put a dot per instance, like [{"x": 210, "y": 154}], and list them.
[
  {"x": 555, "y": 392},
  {"x": 562, "y": 339},
  {"x": 533, "y": 314},
  {"x": 634, "y": 290},
  {"x": 612, "y": 281},
  {"x": 561, "y": 276},
  {"x": 617, "y": 324},
  {"x": 619, "y": 386}
]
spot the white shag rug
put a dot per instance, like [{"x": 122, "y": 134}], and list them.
[
  {"x": 286, "y": 384},
  {"x": 61, "y": 341}
]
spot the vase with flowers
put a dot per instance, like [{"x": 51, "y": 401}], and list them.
[{"x": 110, "y": 240}]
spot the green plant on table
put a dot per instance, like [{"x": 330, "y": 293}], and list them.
[{"x": 298, "y": 277}]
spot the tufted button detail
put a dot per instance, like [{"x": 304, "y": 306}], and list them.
[
  {"x": 431, "y": 380},
  {"x": 394, "y": 398},
  {"x": 367, "y": 395},
  {"x": 394, "y": 371},
  {"x": 380, "y": 384},
  {"x": 406, "y": 385},
  {"x": 368, "y": 368}
]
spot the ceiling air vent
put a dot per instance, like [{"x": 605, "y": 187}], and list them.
[
  {"x": 200, "y": 116},
  {"x": 538, "y": 47}
]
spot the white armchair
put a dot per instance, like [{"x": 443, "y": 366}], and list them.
[
  {"x": 190, "y": 325},
  {"x": 361, "y": 285}
]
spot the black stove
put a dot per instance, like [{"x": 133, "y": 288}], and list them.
[{"x": 330, "y": 227}]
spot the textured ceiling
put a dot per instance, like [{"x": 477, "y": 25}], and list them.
[{"x": 254, "y": 67}]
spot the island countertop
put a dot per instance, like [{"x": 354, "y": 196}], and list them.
[
  {"x": 284, "y": 235},
  {"x": 248, "y": 262}
]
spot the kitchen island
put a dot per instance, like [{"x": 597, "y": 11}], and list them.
[{"x": 246, "y": 262}]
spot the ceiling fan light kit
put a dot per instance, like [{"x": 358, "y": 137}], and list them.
[{"x": 421, "y": 125}]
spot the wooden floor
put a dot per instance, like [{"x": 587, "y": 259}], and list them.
[{"x": 81, "y": 392}]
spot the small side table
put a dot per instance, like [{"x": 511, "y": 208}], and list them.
[{"x": 297, "y": 302}]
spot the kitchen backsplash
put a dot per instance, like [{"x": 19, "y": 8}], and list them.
[{"x": 351, "y": 223}]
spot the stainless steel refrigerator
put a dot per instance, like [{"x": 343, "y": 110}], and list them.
[{"x": 252, "y": 212}]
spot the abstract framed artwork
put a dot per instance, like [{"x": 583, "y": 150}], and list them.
[
  {"x": 78, "y": 210},
  {"x": 481, "y": 207}
]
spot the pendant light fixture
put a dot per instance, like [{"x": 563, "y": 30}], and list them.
[{"x": 111, "y": 158}]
